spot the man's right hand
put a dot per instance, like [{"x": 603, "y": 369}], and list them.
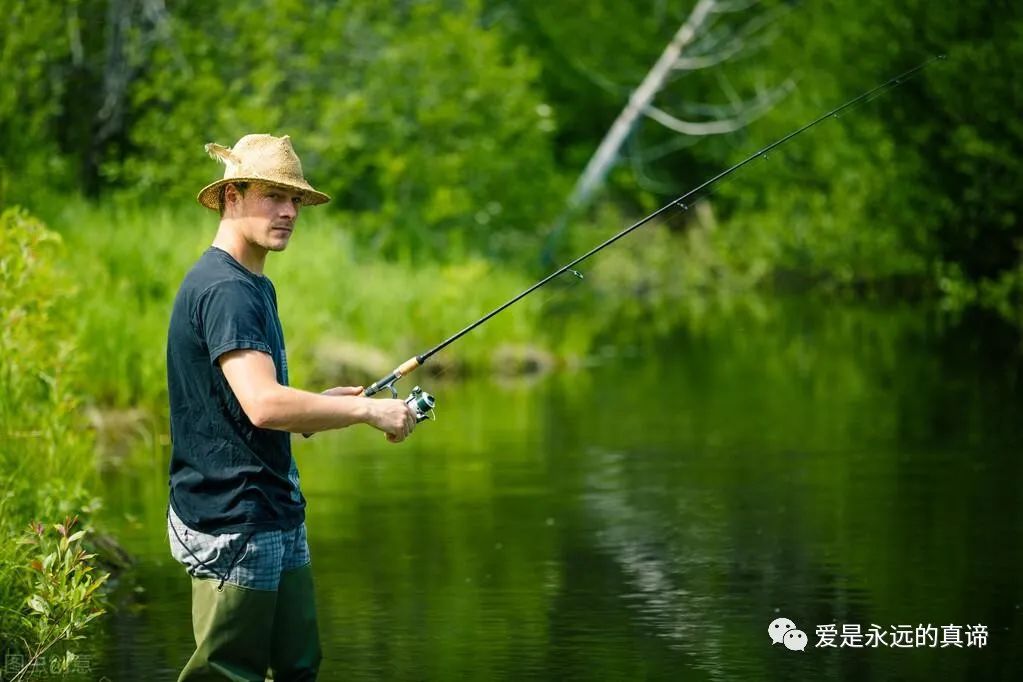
[{"x": 393, "y": 417}]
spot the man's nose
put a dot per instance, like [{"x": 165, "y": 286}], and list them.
[{"x": 288, "y": 209}]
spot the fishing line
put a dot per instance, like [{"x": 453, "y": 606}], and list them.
[{"x": 681, "y": 204}]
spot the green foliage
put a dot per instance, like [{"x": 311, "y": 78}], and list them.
[
  {"x": 134, "y": 264},
  {"x": 33, "y": 50},
  {"x": 64, "y": 597},
  {"x": 448, "y": 129},
  {"x": 38, "y": 364},
  {"x": 45, "y": 451},
  {"x": 884, "y": 198},
  {"x": 330, "y": 291},
  {"x": 914, "y": 183},
  {"x": 424, "y": 126}
]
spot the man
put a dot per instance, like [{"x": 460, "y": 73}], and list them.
[{"x": 236, "y": 517}]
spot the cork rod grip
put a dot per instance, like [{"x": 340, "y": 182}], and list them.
[
  {"x": 407, "y": 367},
  {"x": 403, "y": 369}
]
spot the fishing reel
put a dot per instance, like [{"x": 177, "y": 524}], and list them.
[{"x": 421, "y": 402}]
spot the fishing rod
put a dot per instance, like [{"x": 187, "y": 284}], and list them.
[{"x": 422, "y": 403}]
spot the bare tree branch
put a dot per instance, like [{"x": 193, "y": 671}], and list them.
[
  {"x": 746, "y": 112},
  {"x": 711, "y": 38},
  {"x": 640, "y": 169},
  {"x": 658, "y": 151},
  {"x": 714, "y": 36},
  {"x": 747, "y": 38},
  {"x": 719, "y": 127},
  {"x": 730, "y": 51},
  {"x": 703, "y": 40},
  {"x": 599, "y": 165}
]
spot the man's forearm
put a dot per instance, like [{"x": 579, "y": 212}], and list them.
[{"x": 289, "y": 409}]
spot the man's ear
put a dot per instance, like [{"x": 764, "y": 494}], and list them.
[{"x": 231, "y": 195}]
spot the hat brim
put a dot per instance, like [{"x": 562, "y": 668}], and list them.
[{"x": 209, "y": 196}]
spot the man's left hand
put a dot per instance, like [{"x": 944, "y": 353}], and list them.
[{"x": 344, "y": 390}]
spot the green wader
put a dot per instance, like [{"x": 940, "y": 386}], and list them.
[{"x": 240, "y": 632}]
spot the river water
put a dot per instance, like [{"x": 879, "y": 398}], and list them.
[{"x": 649, "y": 514}]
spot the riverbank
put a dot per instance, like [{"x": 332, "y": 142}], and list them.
[
  {"x": 86, "y": 308},
  {"x": 350, "y": 316},
  {"x": 347, "y": 318}
]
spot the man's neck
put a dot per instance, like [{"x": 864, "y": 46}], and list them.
[{"x": 229, "y": 239}]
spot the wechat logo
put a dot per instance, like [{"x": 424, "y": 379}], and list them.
[{"x": 784, "y": 631}]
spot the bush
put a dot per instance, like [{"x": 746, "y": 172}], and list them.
[{"x": 45, "y": 453}]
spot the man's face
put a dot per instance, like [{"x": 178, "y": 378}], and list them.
[{"x": 268, "y": 214}]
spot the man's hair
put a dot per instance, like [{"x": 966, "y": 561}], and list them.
[{"x": 240, "y": 186}]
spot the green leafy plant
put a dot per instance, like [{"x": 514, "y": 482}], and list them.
[
  {"x": 65, "y": 595},
  {"x": 46, "y": 454}
]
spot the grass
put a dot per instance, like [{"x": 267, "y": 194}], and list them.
[{"x": 130, "y": 261}]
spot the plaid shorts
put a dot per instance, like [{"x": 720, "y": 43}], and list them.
[{"x": 252, "y": 560}]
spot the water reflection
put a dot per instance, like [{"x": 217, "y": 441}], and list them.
[{"x": 648, "y": 517}]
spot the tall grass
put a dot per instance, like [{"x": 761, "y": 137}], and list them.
[
  {"x": 342, "y": 305},
  {"x": 131, "y": 260},
  {"x": 347, "y": 313}
]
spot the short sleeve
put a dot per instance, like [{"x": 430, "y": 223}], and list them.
[{"x": 230, "y": 315}]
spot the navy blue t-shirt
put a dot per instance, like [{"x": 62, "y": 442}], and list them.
[{"x": 226, "y": 475}]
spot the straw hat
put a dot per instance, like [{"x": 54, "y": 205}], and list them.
[{"x": 259, "y": 158}]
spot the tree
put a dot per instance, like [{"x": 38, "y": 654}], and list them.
[
  {"x": 421, "y": 123},
  {"x": 710, "y": 50}
]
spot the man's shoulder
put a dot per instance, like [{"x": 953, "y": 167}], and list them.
[
  {"x": 212, "y": 272},
  {"x": 209, "y": 276}
]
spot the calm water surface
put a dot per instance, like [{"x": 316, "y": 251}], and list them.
[{"x": 648, "y": 515}]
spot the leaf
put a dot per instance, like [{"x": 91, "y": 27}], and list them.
[
  {"x": 36, "y": 603},
  {"x": 95, "y": 585}
]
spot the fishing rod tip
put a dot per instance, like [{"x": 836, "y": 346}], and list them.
[{"x": 942, "y": 56}]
